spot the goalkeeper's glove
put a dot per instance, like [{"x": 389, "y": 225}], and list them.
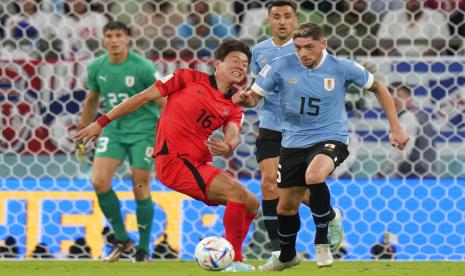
[{"x": 80, "y": 152}]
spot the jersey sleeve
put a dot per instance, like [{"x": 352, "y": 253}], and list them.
[
  {"x": 175, "y": 81},
  {"x": 265, "y": 80},
  {"x": 357, "y": 74},
  {"x": 237, "y": 117},
  {"x": 92, "y": 78}
]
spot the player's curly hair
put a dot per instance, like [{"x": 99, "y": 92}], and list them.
[{"x": 231, "y": 45}]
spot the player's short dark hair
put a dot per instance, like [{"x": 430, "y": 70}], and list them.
[
  {"x": 116, "y": 25},
  {"x": 310, "y": 30},
  {"x": 231, "y": 45},
  {"x": 282, "y": 3}
]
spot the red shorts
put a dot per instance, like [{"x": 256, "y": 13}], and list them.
[{"x": 186, "y": 176}]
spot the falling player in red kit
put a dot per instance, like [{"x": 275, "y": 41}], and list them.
[{"x": 197, "y": 105}]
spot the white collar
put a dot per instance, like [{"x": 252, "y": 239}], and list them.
[
  {"x": 284, "y": 45},
  {"x": 325, "y": 53}
]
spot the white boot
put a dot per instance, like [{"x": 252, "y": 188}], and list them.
[
  {"x": 274, "y": 264},
  {"x": 323, "y": 255}
]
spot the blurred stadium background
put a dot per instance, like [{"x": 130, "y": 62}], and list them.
[{"x": 47, "y": 205}]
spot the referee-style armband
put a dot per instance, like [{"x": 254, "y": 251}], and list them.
[{"x": 103, "y": 120}]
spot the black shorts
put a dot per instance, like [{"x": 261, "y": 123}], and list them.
[
  {"x": 293, "y": 162},
  {"x": 268, "y": 144}
]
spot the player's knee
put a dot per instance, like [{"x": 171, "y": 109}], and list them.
[
  {"x": 140, "y": 181},
  {"x": 140, "y": 178},
  {"x": 101, "y": 185},
  {"x": 269, "y": 191},
  {"x": 286, "y": 209},
  {"x": 288, "y": 205},
  {"x": 269, "y": 184},
  {"x": 237, "y": 193},
  {"x": 141, "y": 185},
  {"x": 269, "y": 179},
  {"x": 141, "y": 190},
  {"x": 315, "y": 176}
]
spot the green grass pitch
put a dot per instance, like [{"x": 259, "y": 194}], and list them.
[{"x": 172, "y": 268}]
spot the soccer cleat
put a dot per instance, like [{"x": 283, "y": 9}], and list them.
[
  {"x": 274, "y": 256},
  {"x": 239, "y": 267},
  {"x": 274, "y": 264},
  {"x": 335, "y": 231},
  {"x": 140, "y": 257},
  {"x": 127, "y": 248},
  {"x": 324, "y": 257}
]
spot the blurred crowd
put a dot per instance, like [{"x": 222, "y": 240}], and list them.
[
  {"x": 70, "y": 29},
  {"x": 180, "y": 31}
]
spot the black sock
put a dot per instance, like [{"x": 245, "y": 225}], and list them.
[
  {"x": 270, "y": 218},
  {"x": 288, "y": 228},
  {"x": 321, "y": 211}
]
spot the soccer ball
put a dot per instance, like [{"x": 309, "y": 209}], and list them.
[{"x": 214, "y": 253}]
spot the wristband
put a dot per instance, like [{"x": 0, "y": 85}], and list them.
[
  {"x": 230, "y": 148},
  {"x": 103, "y": 120}
]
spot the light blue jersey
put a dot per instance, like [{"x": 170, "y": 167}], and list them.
[
  {"x": 262, "y": 54},
  {"x": 313, "y": 99}
]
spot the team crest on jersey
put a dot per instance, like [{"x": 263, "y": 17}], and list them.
[
  {"x": 129, "y": 81},
  {"x": 329, "y": 84}
]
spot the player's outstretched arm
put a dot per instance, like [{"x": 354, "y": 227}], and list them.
[
  {"x": 160, "y": 102},
  {"x": 246, "y": 98},
  {"x": 398, "y": 137},
  {"x": 150, "y": 94},
  {"x": 92, "y": 131}
]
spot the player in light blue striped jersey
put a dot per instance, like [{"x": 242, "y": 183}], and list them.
[{"x": 312, "y": 85}]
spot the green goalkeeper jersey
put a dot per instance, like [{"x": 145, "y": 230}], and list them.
[{"x": 118, "y": 82}]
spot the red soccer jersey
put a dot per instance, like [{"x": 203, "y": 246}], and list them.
[{"x": 194, "y": 109}]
